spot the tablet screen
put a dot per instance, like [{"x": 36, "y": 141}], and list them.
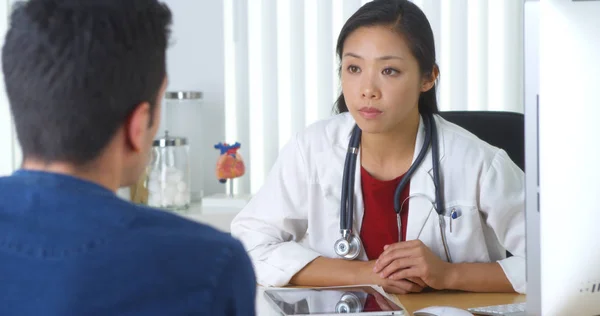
[{"x": 332, "y": 300}]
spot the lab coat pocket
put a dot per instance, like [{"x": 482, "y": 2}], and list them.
[{"x": 464, "y": 234}]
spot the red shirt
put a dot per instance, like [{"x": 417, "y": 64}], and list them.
[{"x": 379, "y": 226}]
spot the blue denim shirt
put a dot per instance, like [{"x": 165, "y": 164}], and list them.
[{"x": 71, "y": 247}]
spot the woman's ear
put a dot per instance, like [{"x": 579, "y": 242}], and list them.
[{"x": 429, "y": 80}]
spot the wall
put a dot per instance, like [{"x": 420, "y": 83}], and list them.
[{"x": 196, "y": 62}]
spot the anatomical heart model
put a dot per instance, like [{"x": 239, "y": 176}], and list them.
[{"x": 230, "y": 164}]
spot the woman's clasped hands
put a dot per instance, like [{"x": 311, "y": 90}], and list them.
[{"x": 410, "y": 266}]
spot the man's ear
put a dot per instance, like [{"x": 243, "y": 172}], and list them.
[
  {"x": 429, "y": 81},
  {"x": 136, "y": 126}
]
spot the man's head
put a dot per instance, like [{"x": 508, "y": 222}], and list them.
[{"x": 85, "y": 79}]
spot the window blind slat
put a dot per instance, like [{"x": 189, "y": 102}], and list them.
[
  {"x": 505, "y": 50},
  {"x": 477, "y": 79},
  {"x": 270, "y": 89},
  {"x": 453, "y": 88},
  {"x": 325, "y": 68}
]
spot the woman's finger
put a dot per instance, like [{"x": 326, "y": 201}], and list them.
[
  {"x": 387, "y": 257},
  {"x": 402, "y": 245},
  {"x": 404, "y": 286},
  {"x": 407, "y": 274},
  {"x": 416, "y": 280},
  {"x": 397, "y": 265}
]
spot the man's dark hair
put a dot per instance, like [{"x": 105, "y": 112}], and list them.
[{"x": 76, "y": 69}]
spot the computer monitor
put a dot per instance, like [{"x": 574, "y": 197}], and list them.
[
  {"x": 531, "y": 41},
  {"x": 563, "y": 164}
]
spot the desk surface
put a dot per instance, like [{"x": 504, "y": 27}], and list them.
[{"x": 413, "y": 302}]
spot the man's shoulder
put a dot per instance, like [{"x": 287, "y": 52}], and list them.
[
  {"x": 192, "y": 249},
  {"x": 93, "y": 230}
]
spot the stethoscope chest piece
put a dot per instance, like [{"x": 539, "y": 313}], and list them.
[
  {"x": 349, "y": 303},
  {"x": 348, "y": 248}
]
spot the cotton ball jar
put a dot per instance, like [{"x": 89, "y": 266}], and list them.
[{"x": 169, "y": 174}]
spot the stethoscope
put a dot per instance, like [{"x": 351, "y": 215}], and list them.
[
  {"x": 349, "y": 245},
  {"x": 349, "y": 303}
]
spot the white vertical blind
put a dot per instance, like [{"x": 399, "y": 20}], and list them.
[
  {"x": 453, "y": 83},
  {"x": 325, "y": 58},
  {"x": 270, "y": 101},
  {"x": 281, "y": 68},
  {"x": 297, "y": 75},
  {"x": 311, "y": 90},
  {"x": 479, "y": 46},
  {"x": 477, "y": 53},
  {"x": 284, "y": 71},
  {"x": 505, "y": 55},
  {"x": 237, "y": 78}
]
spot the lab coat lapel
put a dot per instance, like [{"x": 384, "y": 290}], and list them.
[{"x": 422, "y": 189}]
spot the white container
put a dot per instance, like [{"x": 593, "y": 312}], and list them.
[{"x": 169, "y": 174}]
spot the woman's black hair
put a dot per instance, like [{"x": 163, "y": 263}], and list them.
[{"x": 408, "y": 20}]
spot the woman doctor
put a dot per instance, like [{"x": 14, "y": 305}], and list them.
[{"x": 388, "y": 74}]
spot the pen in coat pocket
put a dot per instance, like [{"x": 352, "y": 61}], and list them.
[{"x": 454, "y": 214}]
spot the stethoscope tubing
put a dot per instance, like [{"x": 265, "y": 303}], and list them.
[{"x": 348, "y": 180}]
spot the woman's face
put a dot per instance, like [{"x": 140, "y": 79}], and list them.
[{"x": 381, "y": 80}]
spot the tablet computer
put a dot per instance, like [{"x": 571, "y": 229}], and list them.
[{"x": 355, "y": 300}]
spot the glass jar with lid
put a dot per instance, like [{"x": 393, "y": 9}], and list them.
[
  {"x": 183, "y": 113},
  {"x": 169, "y": 173}
]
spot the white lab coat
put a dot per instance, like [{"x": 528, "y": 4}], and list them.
[{"x": 294, "y": 217}]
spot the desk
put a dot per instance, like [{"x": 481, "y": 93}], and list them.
[
  {"x": 413, "y": 302},
  {"x": 221, "y": 218}
]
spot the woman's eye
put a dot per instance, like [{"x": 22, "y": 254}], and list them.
[
  {"x": 353, "y": 69},
  {"x": 390, "y": 71}
]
